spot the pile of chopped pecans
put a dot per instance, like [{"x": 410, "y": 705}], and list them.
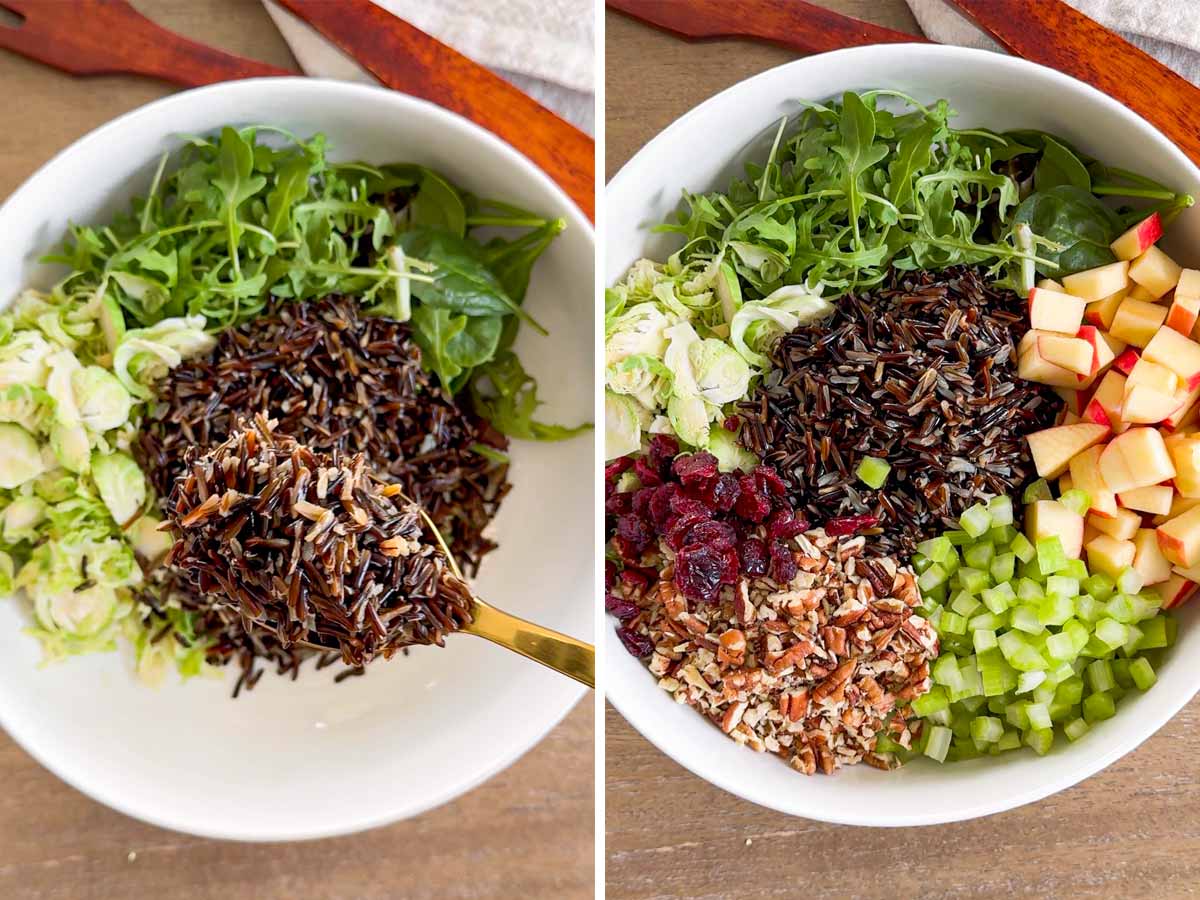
[{"x": 813, "y": 670}]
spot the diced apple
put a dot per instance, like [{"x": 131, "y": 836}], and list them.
[
  {"x": 1108, "y": 555},
  {"x": 1065, "y": 483},
  {"x": 1175, "y": 591},
  {"x": 1179, "y": 538},
  {"x": 1104, "y": 408},
  {"x": 1139, "y": 238},
  {"x": 1123, "y": 526},
  {"x": 1115, "y": 346},
  {"x": 1103, "y": 355},
  {"x": 1148, "y": 560},
  {"x": 1184, "y": 450},
  {"x": 1155, "y": 271},
  {"x": 1152, "y": 375},
  {"x": 1050, "y": 284},
  {"x": 1085, "y": 475},
  {"x": 1126, "y": 360},
  {"x": 1178, "y": 353},
  {"x": 1187, "y": 414},
  {"x": 1137, "y": 321},
  {"x": 1100, "y": 282},
  {"x": 1154, "y": 499},
  {"x": 1137, "y": 292},
  {"x": 1146, "y": 406},
  {"x": 1049, "y": 518},
  {"x": 1189, "y": 284},
  {"x": 1075, "y": 401},
  {"x": 1183, "y": 314},
  {"x": 1100, "y": 312},
  {"x": 1135, "y": 459},
  {"x": 1179, "y": 505},
  {"x": 1032, "y": 367},
  {"x": 1055, "y": 311},
  {"x": 1052, "y": 448},
  {"x": 1069, "y": 353}
]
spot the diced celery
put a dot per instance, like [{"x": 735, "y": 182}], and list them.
[
  {"x": 987, "y": 728},
  {"x": 997, "y": 675},
  {"x": 1112, "y": 633},
  {"x": 1003, "y": 567},
  {"x": 939, "y": 549},
  {"x": 1069, "y": 691},
  {"x": 1038, "y": 715},
  {"x": 1076, "y": 501},
  {"x": 945, "y": 671},
  {"x": 1028, "y": 589},
  {"x": 1154, "y": 633},
  {"x": 1016, "y": 716},
  {"x": 1099, "y": 586},
  {"x": 940, "y": 717},
  {"x": 1088, "y": 608},
  {"x": 1100, "y": 676},
  {"x": 1078, "y": 633},
  {"x": 975, "y": 520},
  {"x": 997, "y": 705},
  {"x": 1135, "y": 640},
  {"x": 1120, "y": 608},
  {"x": 1001, "y": 510},
  {"x": 1025, "y": 618},
  {"x": 1001, "y": 535},
  {"x": 884, "y": 744},
  {"x": 1062, "y": 586},
  {"x": 1038, "y": 490},
  {"x": 1023, "y": 549},
  {"x": 1075, "y": 729},
  {"x": 933, "y": 701},
  {"x": 1142, "y": 673},
  {"x": 1018, "y": 652},
  {"x": 936, "y": 596},
  {"x": 1061, "y": 674},
  {"x": 995, "y": 600},
  {"x": 988, "y": 621},
  {"x": 964, "y": 604},
  {"x": 972, "y": 704},
  {"x": 1040, "y": 739},
  {"x": 973, "y": 580},
  {"x": 920, "y": 562},
  {"x": 1061, "y": 647},
  {"x": 1097, "y": 707},
  {"x": 960, "y": 723},
  {"x": 958, "y": 538},
  {"x": 1075, "y": 568},
  {"x": 979, "y": 556},
  {"x": 1120, "y": 669},
  {"x": 1117, "y": 693},
  {"x": 1172, "y": 629},
  {"x": 983, "y": 639},
  {"x": 938, "y": 743},
  {"x": 1129, "y": 581},
  {"x": 1144, "y": 607},
  {"x": 1010, "y": 741},
  {"x": 1050, "y": 555},
  {"x": 1027, "y": 681},
  {"x": 873, "y": 472},
  {"x": 952, "y": 623},
  {"x": 1055, "y": 609},
  {"x": 1096, "y": 649},
  {"x": 972, "y": 681},
  {"x": 933, "y": 577}
]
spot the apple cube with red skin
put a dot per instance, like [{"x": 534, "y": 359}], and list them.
[
  {"x": 1152, "y": 375},
  {"x": 1137, "y": 292},
  {"x": 1049, "y": 518},
  {"x": 1100, "y": 282},
  {"x": 1100, "y": 312},
  {"x": 1155, "y": 499},
  {"x": 1139, "y": 238},
  {"x": 1176, "y": 352},
  {"x": 1055, "y": 311},
  {"x": 1185, "y": 456},
  {"x": 1179, "y": 506},
  {"x": 1123, "y": 526},
  {"x": 1137, "y": 458},
  {"x": 1176, "y": 591},
  {"x": 1075, "y": 401},
  {"x": 1052, "y": 448},
  {"x": 1187, "y": 414},
  {"x": 1108, "y": 555},
  {"x": 1189, "y": 284},
  {"x": 1155, "y": 271},
  {"x": 1137, "y": 321},
  {"x": 1085, "y": 475},
  {"x": 1104, "y": 408},
  {"x": 1146, "y": 406},
  {"x": 1073, "y": 354},
  {"x": 1183, "y": 314},
  {"x": 1179, "y": 538},
  {"x": 1126, "y": 360},
  {"x": 1032, "y": 367},
  {"x": 1148, "y": 560},
  {"x": 1050, "y": 284},
  {"x": 1104, "y": 355}
]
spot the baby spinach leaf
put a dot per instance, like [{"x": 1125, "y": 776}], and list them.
[
  {"x": 1074, "y": 219},
  {"x": 1059, "y": 166},
  {"x": 433, "y": 330}
]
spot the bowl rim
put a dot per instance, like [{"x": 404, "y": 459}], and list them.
[
  {"x": 631, "y": 697},
  {"x": 95, "y": 786}
]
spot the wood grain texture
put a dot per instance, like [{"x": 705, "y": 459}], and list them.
[
  {"x": 1130, "y": 832},
  {"x": 407, "y": 59},
  {"x": 528, "y": 832}
]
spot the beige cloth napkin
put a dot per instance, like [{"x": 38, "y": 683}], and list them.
[
  {"x": 1168, "y": 30},
  {"x": 544, "y": 47}
]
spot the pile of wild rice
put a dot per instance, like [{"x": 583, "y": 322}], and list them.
[
  {"x": 311, "y": 547},
  {"x": 337, "y": 382},
  {"x": 921, "y": 373},
  {"x": 813, "y": 670}
]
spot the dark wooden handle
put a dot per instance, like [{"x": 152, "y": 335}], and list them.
[
  {"x": 790, "y": 23},
  {"x": 406, "y": 59},
  {"x": 1052, "y": 33}
]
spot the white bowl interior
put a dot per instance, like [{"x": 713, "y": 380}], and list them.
[
  {"x": 313, "y": 758},
  {"x": 700, "y": 152}
]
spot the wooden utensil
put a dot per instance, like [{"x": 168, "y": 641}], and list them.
[
  {"x": 789, "y": 23},
  {"x": 1052, "y": 33},
  {"x": 102, "y": 37},
  {"x": 406, "y": 59}
]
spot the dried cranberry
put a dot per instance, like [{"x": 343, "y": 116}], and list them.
[
  {"x": 610, "y": 574},
  {"x": 768, "y": 480},
  {"x": 719, "y": 534},
  {"x": 619, "y": 503},
  {"x": 844, "y": 525},
  {"x": 784, "y": 523},
  {"x": 619, "y": 607},
  {"x": 682, "y": 525},
  {"x": 783, "y": 563},
  {"x": 682, "y": 505},
  {"x": 751, "y": 503},
  {"x": 660, "y": 505},
  {"x": 635, "y": 578},
  {"x": 646, "y": 473},
  {"x": 637, "y": 644},
  {"x": 699, "y": 571},
  {"x": 732, "y": 567},
  {"x": 732, "y": 423},
  {"x": 641, "y": 502},
  {"x": 663, "y": 448},
  {"x": 629, "y": 554},
  {"x": 634, "y": 530},
  {"x": 724, "y": 493},
  {"x": 753, "y": 554},
  {"x": 695, "y": 468},
  {"x": 616, "y": 467}
]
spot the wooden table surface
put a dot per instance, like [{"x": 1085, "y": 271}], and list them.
[
  {"x": 1133, "y": 831},
  {"x": 528, "y": 832}
]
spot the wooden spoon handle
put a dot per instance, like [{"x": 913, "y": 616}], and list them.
[
  {"x": 559, "y": 652},
  {"x": 97, "y": 37},
  {"x": 406, "y": 59},
  {"x": 789, "y": 23}
]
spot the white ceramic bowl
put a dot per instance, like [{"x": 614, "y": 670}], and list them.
[
  {"x": 700, "y": 152},
  {"x": 310, "y": 759}
]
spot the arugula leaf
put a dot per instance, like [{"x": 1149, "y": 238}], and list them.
[
  {"x": 237, "y": 183},
  {"x": 513, "y": 261},
  {"x": 506, "y": 395}
]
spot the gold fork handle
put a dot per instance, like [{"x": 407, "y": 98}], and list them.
[{"x": 564, "y": 654}]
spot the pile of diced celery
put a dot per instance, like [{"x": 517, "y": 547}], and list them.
[{"x": 1031, "y": 643}]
